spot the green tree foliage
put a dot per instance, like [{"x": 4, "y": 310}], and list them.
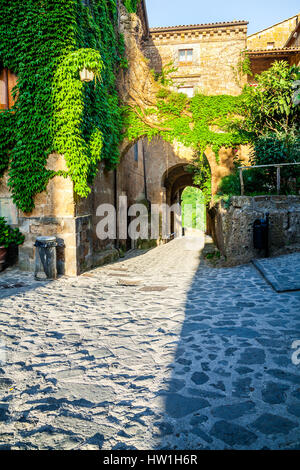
[
  {"x": 46, "y": 43},
  {"x": 131, "y": 5},
  {"x": 8, "y": 235},
  {"x": 271, "y": 118},
  {"x": 269, "y": 107},
  {"x": 193, "y": 205}
]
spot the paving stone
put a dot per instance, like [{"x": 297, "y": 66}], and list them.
[
  {"x": 200, "y": 433},
  {"x": 205, "y": 393},
  {"x": 238, "y": 331},
  {"x": 273, "y": 424},
  {"x": 284, "y": 375},
  {"x": 242, "y": 387},
  {"x": 233, "y": 411},
  {"x": 280, "y": 271},
  {"x": 274, "y": 393},
  {"x": 198, "y": 420},
  {"x": 91, "y": 364},
  {"x": 244, "y": 370},
  {"x": 4, "y": 411},
  {"x": 174, "y": 385},
  {"x": 233, "y": 434},
  {"x": 252, "y": 356},
  {"x": 199, "y": 378},
  {"x": 294, "y": 410},
  {"x": 163, "y": 429},
  {"x": 178, "y": 406}
]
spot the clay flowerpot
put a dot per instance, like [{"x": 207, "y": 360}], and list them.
[{"x": 3, "y": 253}]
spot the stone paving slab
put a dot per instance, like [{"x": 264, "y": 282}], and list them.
[
  {"x": 87, "y": 363},
  {"x": 282, "y": 272}
]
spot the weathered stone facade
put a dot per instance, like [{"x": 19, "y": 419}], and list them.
[
  {"x": 232, "y": 227},
  {"x": 153, "y": 171},
  {"x": 156, "y": 170},
  {"x": 215, "y": 51}
]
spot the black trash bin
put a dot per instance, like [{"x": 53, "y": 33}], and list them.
[
  {"x": 45, "y": 258},
  {"x": 261, "y": 234}
]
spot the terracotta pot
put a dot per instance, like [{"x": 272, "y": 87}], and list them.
[{"x": 3, "y": 253}]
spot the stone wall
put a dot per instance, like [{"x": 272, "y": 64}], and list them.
[
  {"x": 7, "y": 207},
  {"x": 60, "y": 213},
  {"x": 54, "y": 214},
  {"x": 232, "y": 227}
]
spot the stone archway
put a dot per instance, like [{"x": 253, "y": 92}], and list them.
[{"x": 175, "y": 179}]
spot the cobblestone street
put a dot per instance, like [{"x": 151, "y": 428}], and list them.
[{"x": 152, "y": 352}]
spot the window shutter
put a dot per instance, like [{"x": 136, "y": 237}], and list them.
[{"x": 7, "y": 82}]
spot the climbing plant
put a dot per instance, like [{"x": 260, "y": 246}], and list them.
[
  {"x": 198, "y": 122},
  {"x": 131, "y": 5},
  {"x": 6, "y": 139},
  {"x": 46, "y": 44}
]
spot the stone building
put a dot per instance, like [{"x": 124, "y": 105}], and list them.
[
  {"x": 152, "y": 172},
  {"x": 203, "y": 54},
  {"x": 278, "y": 42}
]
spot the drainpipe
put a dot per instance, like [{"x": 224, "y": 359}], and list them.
[
  {"x": 6, "y": 87},
  {"x": 118, "y": 12},
  {"x": 117, "y": 244},
  {"x": 145, "y": 177}
]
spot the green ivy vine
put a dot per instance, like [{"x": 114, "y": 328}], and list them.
[
  {"x": 200, "y": 122},
  {"x": 46, "y": 43},
  {"x": 131, "y": 5},
  {"x": 81, "y": 154}
]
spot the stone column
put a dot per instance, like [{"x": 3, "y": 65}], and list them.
[{"x": 54, "y": 214}]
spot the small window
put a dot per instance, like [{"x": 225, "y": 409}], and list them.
[
  {"x": 7, "y": 82},
  {"x": 136, "y": 153},
  {"x": 271, "y": 45},
  {"x": 187, "y": 90},
  {"x": 185, "y": 56}
]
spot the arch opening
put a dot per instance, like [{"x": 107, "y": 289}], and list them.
[
  {"x": 156, "y": 173},
  {"x": 193, "y": 205}
]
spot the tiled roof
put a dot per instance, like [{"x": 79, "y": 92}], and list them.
[
  {"x": 198, "y": 26},
  {"x": 282, "y": 50}
]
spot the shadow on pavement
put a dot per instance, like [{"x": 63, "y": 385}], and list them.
[
  {"x": 14, "y": 282},
  {"x": 233, "y": 385}
]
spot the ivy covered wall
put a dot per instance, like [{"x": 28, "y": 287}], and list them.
[{"x": 46, "y": 44}]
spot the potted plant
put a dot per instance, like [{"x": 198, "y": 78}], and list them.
[{"x": 8, "y": 237}]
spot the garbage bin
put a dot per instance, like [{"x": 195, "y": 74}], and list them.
[
  {"x": 261, "y": 234},
  {"x": 45, "y": 258}
]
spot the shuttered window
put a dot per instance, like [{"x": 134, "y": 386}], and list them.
[
  {"x": 7, "y": 82},
  {"x": 185, "y": 56}
]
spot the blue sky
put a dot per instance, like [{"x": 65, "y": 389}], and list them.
[{"x": 259, "y": 13}]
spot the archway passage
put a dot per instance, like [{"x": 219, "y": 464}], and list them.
[
  {"x": 193, "y": 207},
  {"x": 181, "y": 189},
  {"x": 175, "y": 180},
  {"x": 156, "y": 173}
]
